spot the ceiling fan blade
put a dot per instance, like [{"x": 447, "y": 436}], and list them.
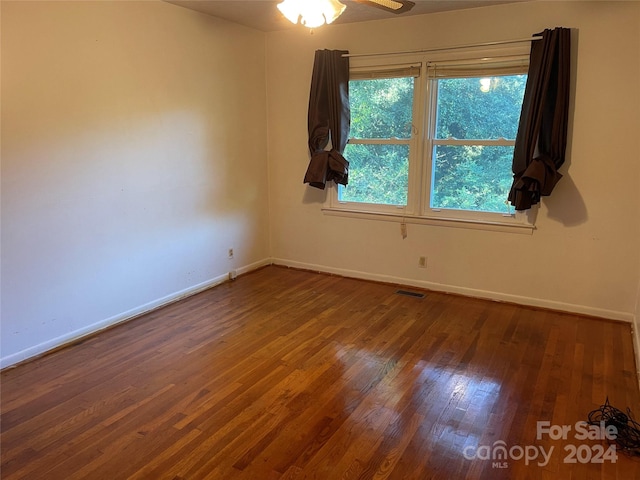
[{"x": 393, "y": 6}]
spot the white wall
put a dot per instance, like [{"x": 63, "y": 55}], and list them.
[
  {"x": 133, "y": 157},
  {"x": 583, "y": 256},
  {"x": 636, "y": 332}
]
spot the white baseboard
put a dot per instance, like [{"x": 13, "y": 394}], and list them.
[
  {"x": 78, "y": 334},
  {"x": 469, "y": 292}
]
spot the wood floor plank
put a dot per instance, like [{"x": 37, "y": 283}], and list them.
[{"x": 288, "y": 374}]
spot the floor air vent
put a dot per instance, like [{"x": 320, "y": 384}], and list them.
[{"x": 410, "y": 294}]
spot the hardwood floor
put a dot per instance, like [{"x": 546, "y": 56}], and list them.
[{"x": 286, "y": 374}]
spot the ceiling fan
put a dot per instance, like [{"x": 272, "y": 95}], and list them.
[
  {"x": 314, "y": 13},
  {"x": 393, "y": 6}
]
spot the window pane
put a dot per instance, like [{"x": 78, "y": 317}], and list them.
[
  {"x": 377, "y": 174},
  {"x": 471, "y": 177},
  {"x": 479, "y": 107},
  {"x": 381, "y": 108}
]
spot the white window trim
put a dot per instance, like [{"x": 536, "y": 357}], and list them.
[
  {"x": 521, "y": 220},
  {"x": 417, "y": 210}
]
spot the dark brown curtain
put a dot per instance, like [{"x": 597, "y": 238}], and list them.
[
  {"x": 542, "y": 134},
  {"x": 329, "y": 118}
]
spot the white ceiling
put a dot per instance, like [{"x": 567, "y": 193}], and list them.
[{"x": 263, "y": 14}]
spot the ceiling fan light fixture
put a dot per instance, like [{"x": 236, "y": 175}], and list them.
[{"x": 311, "y": 13}]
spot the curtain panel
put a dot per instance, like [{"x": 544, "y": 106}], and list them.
[
  {"x": 329, "y": 119},
  {"x": 542, "y": 133}
]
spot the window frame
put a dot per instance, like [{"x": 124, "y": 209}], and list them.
[
  {"x": 421, "y": 144},
  {"x": 413, "y": 192}
]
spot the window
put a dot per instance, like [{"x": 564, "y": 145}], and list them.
[
  {"x": 381, "y": 136},
  {"x": 434, "y": 139}
]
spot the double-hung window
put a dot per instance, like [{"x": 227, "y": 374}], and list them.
[
  {"x": 382, "y": 144},
  {"x": 433, "y": 140}
]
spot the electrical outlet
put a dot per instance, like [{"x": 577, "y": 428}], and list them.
[
  {"x": 422, "y": 262},
  {"x": 230, "y": 253}
]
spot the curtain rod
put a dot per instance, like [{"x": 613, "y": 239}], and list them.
[{"x": 439, "y": 49}]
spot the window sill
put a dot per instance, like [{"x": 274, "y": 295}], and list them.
[{"x": 495, "y": 226}]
